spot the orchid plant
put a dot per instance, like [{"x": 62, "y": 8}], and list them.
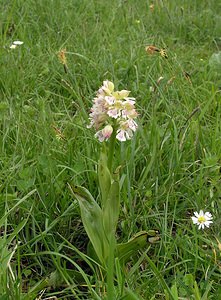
[{"x": 112, "y": 115}]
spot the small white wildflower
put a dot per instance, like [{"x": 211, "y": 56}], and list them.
[
  {"x": 202, "y": 219},
  {"x": 18, "y": 43},
  {"x": 15, "y": 44}
]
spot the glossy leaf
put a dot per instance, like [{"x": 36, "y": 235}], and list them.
[
  {"x": 126, "y": 250},
  {"x": 92, "y": 218}
]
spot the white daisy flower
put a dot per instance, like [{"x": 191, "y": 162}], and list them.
[{"x": 202, "y": 219}]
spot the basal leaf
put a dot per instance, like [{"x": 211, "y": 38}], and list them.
[{"x": 92, "y": 219}]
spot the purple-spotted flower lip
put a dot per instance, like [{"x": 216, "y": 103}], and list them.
[{"x": 113, "y": 109}]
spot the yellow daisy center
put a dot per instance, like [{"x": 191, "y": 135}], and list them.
[{"x": 201, "y": 219}]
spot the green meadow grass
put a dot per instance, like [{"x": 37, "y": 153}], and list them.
[{"x": 171, "y": 167}]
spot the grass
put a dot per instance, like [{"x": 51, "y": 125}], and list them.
[{"x": 171, "y": 167}]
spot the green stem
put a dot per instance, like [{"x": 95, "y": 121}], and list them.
[
  {"x": 111, "y": 150},
  {"x": 110, "y": 270}
]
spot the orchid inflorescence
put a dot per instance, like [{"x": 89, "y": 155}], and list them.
[{"x": 113, "y": 112}]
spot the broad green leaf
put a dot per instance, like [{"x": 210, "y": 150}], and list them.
[
  {"x": 125, "y": 251},
  {"x": 92, "y": 219}
]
